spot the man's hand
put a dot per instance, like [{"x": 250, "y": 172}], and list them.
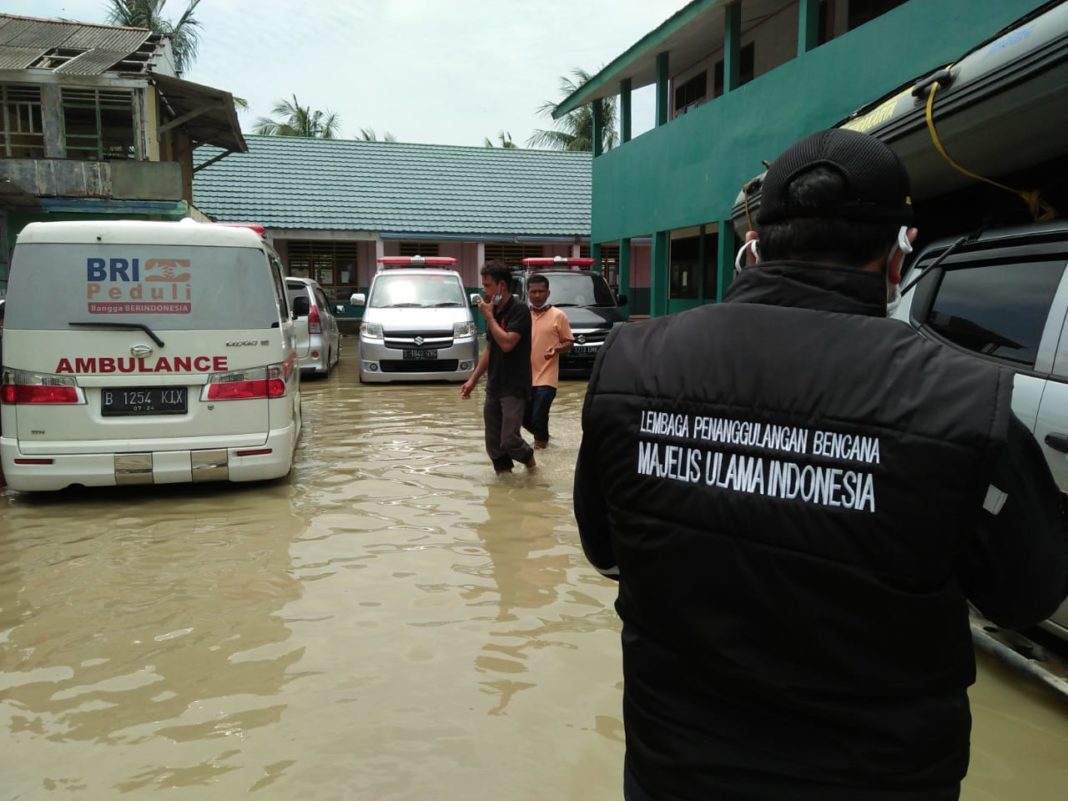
[
  {"x": 550, "y": 352},
  {"x": 465, "y": 389},
  {"x": 486, "y": 310}
]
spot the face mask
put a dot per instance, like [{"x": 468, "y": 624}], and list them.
[
  {"x": 905, "y": 247},
  {"x": 738, "y": 265},
  {"x": 539, "y": 308},
  {"x": 497, "y": 299}
]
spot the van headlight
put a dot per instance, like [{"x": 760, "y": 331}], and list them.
[
  {"x": 463, "y": 330},
  {"x": 371, "y": 330}
]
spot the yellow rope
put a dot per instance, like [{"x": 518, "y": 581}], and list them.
[{"x": 1040, "y": 209}]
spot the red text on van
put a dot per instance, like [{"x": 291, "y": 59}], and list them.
[{"x": 131, "y": 364}]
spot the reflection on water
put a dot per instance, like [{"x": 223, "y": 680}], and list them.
[{"x": 393, "y": 621}]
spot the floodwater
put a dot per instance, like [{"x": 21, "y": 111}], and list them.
[{"x": 393, "y": 621}]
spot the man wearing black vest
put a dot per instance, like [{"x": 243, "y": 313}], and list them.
[
  {"x": 798, "y": 498},
  {"x": 506, "y": 361}
]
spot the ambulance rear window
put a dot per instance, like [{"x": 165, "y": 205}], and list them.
[{"x": 176, "y": 288}]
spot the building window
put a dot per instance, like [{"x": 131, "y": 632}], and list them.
[
  {"x": 98, "y": 124},
  {"x": 747, "y": 59},
  {"x": 861, "y": 11},
  {"x": 692, "y": 93},
  {"x": 332, "y": 264},
  {"x": 512, "y": 253},
  {"x": 418, "y": 249},
  {"x": 21, "y": 128}
]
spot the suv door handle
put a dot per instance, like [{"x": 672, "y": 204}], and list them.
[{"x": 1059, "y": 442}]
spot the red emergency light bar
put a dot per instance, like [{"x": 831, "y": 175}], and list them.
[
  {"x": 417, "y": 261},
  {"x": 558, "y": 261},
  {"x": 259, "y": 229}
]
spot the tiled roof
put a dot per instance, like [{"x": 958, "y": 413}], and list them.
[{"x": 397, "y": 187}]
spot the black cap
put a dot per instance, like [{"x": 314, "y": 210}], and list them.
[{"x": 877, "y": 183}]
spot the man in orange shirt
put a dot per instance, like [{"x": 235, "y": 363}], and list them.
[{"x": 550, "y": 336}]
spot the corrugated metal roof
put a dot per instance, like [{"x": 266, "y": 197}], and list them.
[
  {"x": 397, "y": 187},
  {"x": 24, "y": 40}
]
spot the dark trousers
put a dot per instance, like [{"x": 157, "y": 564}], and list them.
[
  {"x": 536, "y": 419},
  {"x": 503, "y": 416}
]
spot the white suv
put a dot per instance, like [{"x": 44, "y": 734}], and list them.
[
  {"x": 417, "y": 323},
  {"x": 1003, "y": 297}
]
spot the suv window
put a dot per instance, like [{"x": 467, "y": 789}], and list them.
[{"x": 997, "y": 310}]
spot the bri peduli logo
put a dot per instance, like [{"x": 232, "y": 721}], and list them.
[{"x": 128, "y": 286}]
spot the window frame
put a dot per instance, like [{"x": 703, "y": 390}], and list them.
[
  {"x": 18, "y": 105},
  {"x": 929, "y": 283}
]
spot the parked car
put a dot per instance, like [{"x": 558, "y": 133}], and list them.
[
  {"x": 591, "y": 307},
  {"x": 417, "y": 322},
  {"x": 1003, "y": 297},
  {"x": 318, "y": 340}
]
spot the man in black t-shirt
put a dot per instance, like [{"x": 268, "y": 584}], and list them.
[{"x": 507, "y": 361}]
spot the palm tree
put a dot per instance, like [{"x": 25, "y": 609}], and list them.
[
  {"x": 504, "y": 138},
  {"x": 298, "y": 120},
  {"x": 574, "y": 131},
  {"x": 369, "y": 135},
  {"x": 184, "y": 36}
]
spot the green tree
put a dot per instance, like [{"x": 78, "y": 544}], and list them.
[
  {"x": 504, "y": 138},
  {"x": 574, "y": 131},
  {"x": 369, "y": 135},
  {"x": 298, "y": 120},
  {"x": 184, "y": 34}
]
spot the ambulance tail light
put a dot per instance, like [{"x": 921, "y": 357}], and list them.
[
  {"x": 315, "y": 325},
  {"x": 19, "y": 387},
  {"x": 254, "y": 383}
]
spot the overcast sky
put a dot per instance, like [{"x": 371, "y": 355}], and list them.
[{"x": 438, "y": 71}]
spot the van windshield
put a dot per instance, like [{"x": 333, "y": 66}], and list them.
[
  {"x": 163, "y": 287},
  {"x": 579, "y": 289},
  {"x": 416, "y": 291}
]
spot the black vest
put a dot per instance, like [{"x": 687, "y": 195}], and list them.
[{"x": 792, "y": 480}]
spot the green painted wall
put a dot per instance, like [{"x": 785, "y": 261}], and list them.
[{"x": 689, "y": 171}]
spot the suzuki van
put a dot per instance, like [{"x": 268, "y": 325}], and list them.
[
  {"x": 146, "y": 353},
  {"x": 417, "y": 322}
]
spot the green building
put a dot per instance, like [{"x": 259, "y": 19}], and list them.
[{"x": 735, "y": 83}]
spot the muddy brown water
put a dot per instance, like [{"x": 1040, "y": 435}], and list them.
[{"x": 393, "y": 621}]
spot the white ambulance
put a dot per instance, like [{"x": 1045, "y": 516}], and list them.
[{"x": 146, "y": 353}]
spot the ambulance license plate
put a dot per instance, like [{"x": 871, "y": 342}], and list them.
[
  {"x": 119, "y": 401},
  {"x": 421, "y": 354}
]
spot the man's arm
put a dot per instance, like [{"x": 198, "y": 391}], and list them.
[
  {"x": 480, "y": 369},
  {"x": 590, "y": 509},
  {"x": 506, "y": 340},
  {"x": 1016, "y": 572}
]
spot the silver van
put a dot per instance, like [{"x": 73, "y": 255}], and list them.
[
  {"x": 417, "y": 323},
  {"x": 318, "y": 339}
]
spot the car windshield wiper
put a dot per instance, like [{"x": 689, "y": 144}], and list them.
[
  {"x": 403, "y": 306},
  {"x": 565, "y": 304},
  {"x": 445, "y": 303},
  {"x": 122, "y": 327}
]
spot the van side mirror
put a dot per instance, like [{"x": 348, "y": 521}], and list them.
[
  {"x": 621, "y": 300},
  {"x": 358, "y": 299},
  {"x": 475, "y": 298},
  {"x": 301, "y": 306}
]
